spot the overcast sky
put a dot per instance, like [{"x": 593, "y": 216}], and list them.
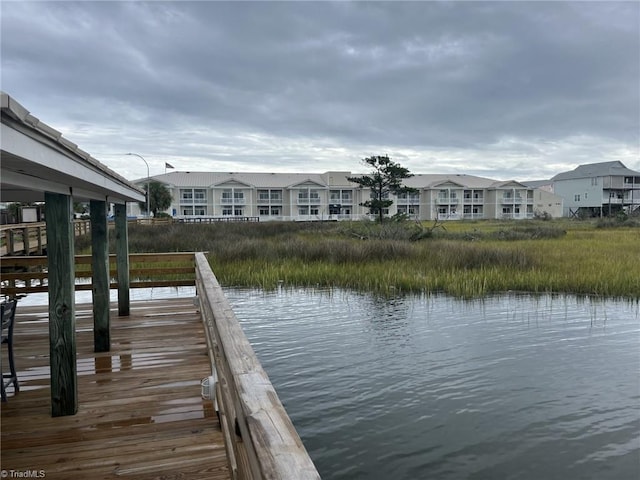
[{"x": 506, "y": 90}]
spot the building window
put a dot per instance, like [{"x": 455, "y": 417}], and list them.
[
  {"x": 227, "y": 210},
  {"x": 594, "y": 181},
  {"x": 199, "y": 210},
  {"x": 263, "y": 195},
  {"x": 238, "y": 212},
  {"x": 303, "y": 210},
  {"x": 226, "y": 196},
  {"x": 576, "y": 197},
  {"x": 275, "y": 211},
  {"x": 337, "y": 196},
  {"x": 410, "y": 197},
  {"x": 186, "y": 195},
  {"x": 314, "y": 210},
  {"x": 187, "y": 211},
  {"x": 200, "y": 194},
  {"x": 263, "y": 211}
]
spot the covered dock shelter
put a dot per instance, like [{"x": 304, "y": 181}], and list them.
[
  {"x": 135, "y": 372},
  {"x": 39, "y": 165}
]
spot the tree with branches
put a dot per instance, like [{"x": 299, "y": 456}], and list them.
[
  {"x": 385, "y": 179},
  {"x": 159, "y": 198}
]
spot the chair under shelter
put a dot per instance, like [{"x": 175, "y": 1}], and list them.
[{"x": 8, "y": 309}]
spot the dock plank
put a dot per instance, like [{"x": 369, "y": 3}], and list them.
[{"x": 140, "y": 414}]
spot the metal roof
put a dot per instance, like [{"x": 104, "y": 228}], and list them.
[
  {"x": 35, "y": 158},
  {"x": 327, "y": 180},
  {"x": 603, "y": 169},
  {"x": 258, "y": 180}
]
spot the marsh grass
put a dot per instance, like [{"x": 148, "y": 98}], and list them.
[{"x": 468, "y": 259}]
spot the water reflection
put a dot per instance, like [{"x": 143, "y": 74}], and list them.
[{"x": 428, "y": 386}]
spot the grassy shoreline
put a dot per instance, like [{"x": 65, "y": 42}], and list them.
[{"x": 468, "y": 259}]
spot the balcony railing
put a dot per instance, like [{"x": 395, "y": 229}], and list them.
[
  {"x": 408, "y": 201},
  {"x": 308, "y": 200},
  {"x": 511, "y": 200},
  {"x": 338, "y": 199},
  {"x": 615, "y": 200},
  {"x": 264, "y": 201},
  {"x": 447, "y": 200},
  {"x": 226, "y": 200}
]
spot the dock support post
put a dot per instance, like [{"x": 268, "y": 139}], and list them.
[
  {"x": 122, "y": 259},
  {"x": 100, "y": 268},
  {"x": 25, "y": 241},
  {"x": 62, "y": 320}
]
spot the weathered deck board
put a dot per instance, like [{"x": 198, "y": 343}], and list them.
[{"x": 140, "y": 415}]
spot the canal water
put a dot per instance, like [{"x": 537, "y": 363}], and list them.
[{"x": 430, "y": 387}]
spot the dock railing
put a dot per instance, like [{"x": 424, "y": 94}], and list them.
[
  {"x": 31, "y": 238},
  {"x": 261, "y": 440},
  {"x": 28, "y": 274}
]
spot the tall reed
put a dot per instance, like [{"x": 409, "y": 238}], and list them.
[{"x": 466, "y": 259}]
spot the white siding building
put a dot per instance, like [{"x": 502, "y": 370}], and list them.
[
  {"x": 598, "y": 189},
  {"x": 330, "y": 196}
]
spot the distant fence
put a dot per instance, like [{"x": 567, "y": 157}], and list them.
[
  {"x": 31, "y": 238},
  {"x": 216, "y": 219},
  {"x": 195, "y": 219}
]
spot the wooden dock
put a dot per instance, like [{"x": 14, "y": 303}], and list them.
[{"x": 141, "y": 414}]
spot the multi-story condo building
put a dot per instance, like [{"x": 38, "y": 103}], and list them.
[
  {"x": 330, "y": 196},
  {"x": 598, "y": 189}
]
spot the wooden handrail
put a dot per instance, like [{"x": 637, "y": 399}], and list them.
[
  {"x": 262, "y": 442},
  {"x": 22, "y": 275},
  {"x": 260, "y": 438},
  {"x": 28, "y": 238}
]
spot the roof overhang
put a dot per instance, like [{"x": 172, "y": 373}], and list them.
[{"x": 35, "y": 158}]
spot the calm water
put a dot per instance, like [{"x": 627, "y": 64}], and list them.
[{"x": 511, "y": 387}]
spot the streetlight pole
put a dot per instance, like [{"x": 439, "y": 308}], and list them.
[{"x": 148, "y": 186}]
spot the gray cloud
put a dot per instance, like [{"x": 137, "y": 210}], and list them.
[{"x": 511, "y": 89}]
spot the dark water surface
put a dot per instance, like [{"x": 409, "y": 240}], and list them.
[{"x": 429, "y": 387}]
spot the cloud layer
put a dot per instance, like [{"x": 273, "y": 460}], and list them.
[{"x": 507, "y": 89}]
